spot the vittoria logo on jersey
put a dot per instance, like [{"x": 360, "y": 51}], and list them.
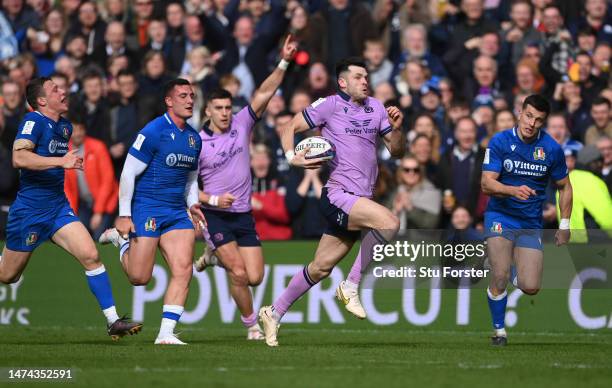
[
  {"x": 54, "y": 145},
  {"x": 32, "y": 238},
  {"x": 538, "y": 154},
  {"x": 180, "y": 160},
  {"x": 496, "y": 228},
  {"x": 192, "y": 141},
  {"x": 150, "y": 225},
  {"x": 524, "y": 168}
]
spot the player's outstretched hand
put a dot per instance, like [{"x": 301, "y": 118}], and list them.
[
  {"x": 226, "y": 200},
  {"x": 300, "y": 160},
  {"x": 396, "y": 117},
  {"x": 124, "y": 226},
  {"x": 523, "y": 192},
  {"x": 197, "y": 217},
  {"x": 289, "y": 49},
  {"x": 562, "y": 237},
  {"x": 72, "y": 161}
]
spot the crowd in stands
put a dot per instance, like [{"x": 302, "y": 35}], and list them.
[{"x": 459, "y": 70}]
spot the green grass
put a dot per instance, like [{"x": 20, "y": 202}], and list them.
[
  {"x": 66, "y": 330},
  {"x": 315, "y": 357}
]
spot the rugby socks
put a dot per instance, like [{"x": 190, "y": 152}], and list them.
[
  {"x": 124, "y": 245},
  {"x": 364, "y": 257},
  {"x": 99, "y": 284},
  {"x": 170, "y": 316},
  {"x": 250, "y": 320},
  {"x": 497, "y": 306},
  {"x": 298, "y": 286}
]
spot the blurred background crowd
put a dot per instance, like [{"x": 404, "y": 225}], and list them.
[{"x": 459, "y": 69}]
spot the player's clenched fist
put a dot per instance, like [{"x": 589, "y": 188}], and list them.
[
  {"x": 395, "y": 116},
  {"x": 72, "y": 161},
  {"x": 124, "y": 226},
  {"x": 226, "y": 200},
  {"x": 523, "y": 192},
  {"x": 562, "y": 237}
]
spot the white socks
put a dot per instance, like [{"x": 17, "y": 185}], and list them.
[{"x": 111, "y": 315}]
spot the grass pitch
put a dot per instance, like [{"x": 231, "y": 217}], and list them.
[{"x": 315, "y": 357}]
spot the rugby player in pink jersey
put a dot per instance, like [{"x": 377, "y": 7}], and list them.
[{"x": 353, "y": 121}]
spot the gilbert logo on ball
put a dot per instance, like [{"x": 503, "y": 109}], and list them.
[{"x": 319, "y": 147}]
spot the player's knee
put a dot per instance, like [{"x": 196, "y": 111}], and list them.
[
  {"x": 255, "y": 279},
  {"x": 238, "y": 276},
  {"x": 183, "y": 272},
  {"x": 530, "y": 291},
  {"x": 90, "y": 258},
  {"x": 6, "y": 278},
  {"x": 139, "y": 279}
]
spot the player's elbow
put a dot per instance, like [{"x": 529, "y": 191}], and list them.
[{"x": 17, "y": 160}]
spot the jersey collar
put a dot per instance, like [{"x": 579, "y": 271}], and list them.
[
  {"x": 515, "y": 133},
  {"x": 207, "y": 130},
  {"x": 48, "y": 118},
  {"x": 172, "y": 124}
]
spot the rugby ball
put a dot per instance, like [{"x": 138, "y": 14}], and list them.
[{"x": 319, "y": 146}]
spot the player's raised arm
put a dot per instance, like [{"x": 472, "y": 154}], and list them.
[
  {"x": 393, "y": 139},
  {"x": 267, "y": 89}
]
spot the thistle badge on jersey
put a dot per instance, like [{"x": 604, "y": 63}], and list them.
[
  {"x": 150, "y": 225},
  {"x": 32, "y": 238},
  {"x": 496, "y": 228},
  {"x": 538, "y": 154},
  {"x": 192, "y": 141}
]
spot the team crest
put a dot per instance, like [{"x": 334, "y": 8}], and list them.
[
  {"x": 192, "y": 141},
  {"x": 368, "y": 109},
  {"x": 65, "y": 133},
  {"x": 496, "y": 228},
  {"x": 233, "y": 133},
  {"x": 345, "y": 109},
  {"x": 218, "y": 237},
  {"x": 538, "y": 154},
  {"x": 32, "y": 238},
  {"x": 150, "y": 225}
]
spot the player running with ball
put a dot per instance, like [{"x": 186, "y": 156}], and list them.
[
  {"x": 41, "y": 210},
  {"x": 516, "y": 169},
  {"x": 158, "y": 184},
  {"x": 353, "y": 122},
  {"x": 226, "y": 178}
]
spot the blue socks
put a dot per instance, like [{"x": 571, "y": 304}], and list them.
[
  {"x": 497, "y": 306},
  {"x": 99, "y": 284}
]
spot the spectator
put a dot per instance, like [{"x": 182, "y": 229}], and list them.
[
  {"x": 266, "y": 15},
  {"x": 521, "y": 33},
  {"x": 299, "y": 101},
  {"x": 21, "y": 16},
  {"x": 332, "y": 34},
  {"x": 124, "y": 119},
  {"x": 89, "y": 25},
  {"x": 303, "y": 194},
  {"x": 114, "y": 45},
  {"x": 379, "y": 68},
  {"x": 602, "y": 123},
  {"x": 8, "y": 185},
  {"x": 424, "y": 124},
  {"x": 484, "y": 84},
  {"x": 567, "y": 99},
  {"x": 416, "y": 201},
  {"x": 604, "y": 145},
  {"x": 93, "y": 107},
  {"x": 13, "y": 111},
  {"x": 268, "y": 201},
  {"x": 590, "y": 86},
  {"x": 66, "y": 67},
  {"x": 414, "y": 46},
  {"x": 409, "y": 83},
  {"x": 93, "y": 191},
  {"x": 503, "y": 119},
  {"x": 231, "y": 83},
  {"x": 601, "y": 61},
  {"x": 202, "y": 69},
  {"x": 596, "y": 18},
  {"x": 460, "y": 167},
  {"x": 556, "y": 127},
  {"x": 556, "y": 45},
  {"x": 150, "y": 83},
  {"x": 461, "y": 228},
  {"x": 157, "y": 38},
  {"x": 76, "y": 50},
  {"x": 319, "y": 84},
  {"x": 175, "y": 20},
  {"x": 528, "y": 78},
  {"x": 115, "y": 65},
  {"x": 421, "y": 149},
  {"x": 385, "y": 93},
  {"x": 8, "y": 43},
  {"x": 140, "y": 23}
]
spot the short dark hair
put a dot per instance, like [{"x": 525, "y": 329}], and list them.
[
  {"x": 91, "y": 73},
  {"x": 217, "y": 94},
  {"x": 170, "y": 85},
  {"x": 600, "y": 100},
  {"x": 125, "y": 73},
  {"x": 284, "y": 113},
  {"x": 35, "y": 89},
  {"x": 538, "y": 102},
  {"x": 344, "y": 64},
  {"x": 76, "y": 118}
]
